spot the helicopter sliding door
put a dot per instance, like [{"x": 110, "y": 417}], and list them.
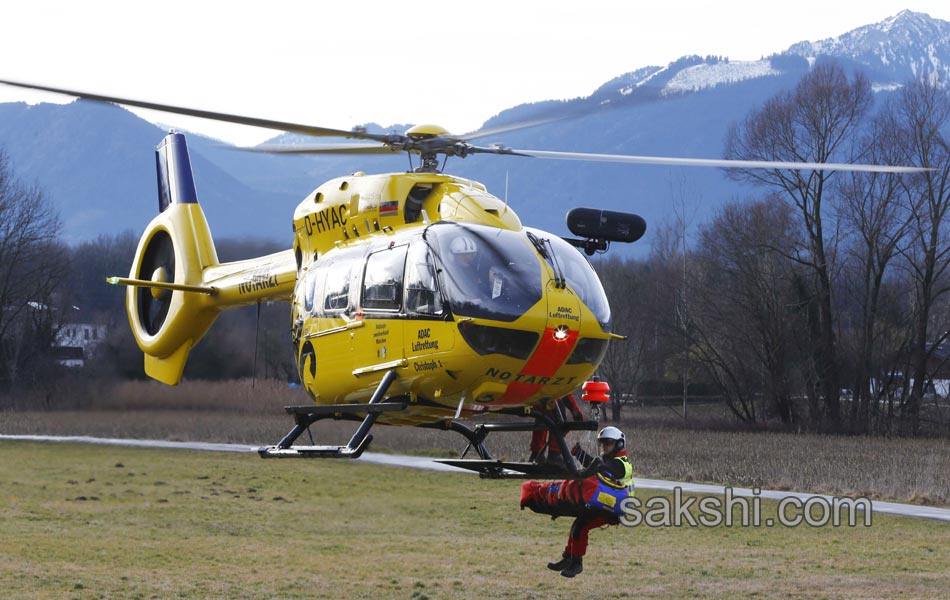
[
  {"x": 405, "y": 320},
  {"x": 430, "y": 336}
]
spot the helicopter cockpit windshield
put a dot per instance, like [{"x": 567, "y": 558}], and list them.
[{"x": 488, "y": 272}]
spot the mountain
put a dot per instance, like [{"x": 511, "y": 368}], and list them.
[
  {"x": 899, "y": 48},
  {"x": 906, "y": 45},
  {"x": 96, "y": 162}
]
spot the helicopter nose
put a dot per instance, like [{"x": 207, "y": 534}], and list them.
[{"x": 560, "y": 335}]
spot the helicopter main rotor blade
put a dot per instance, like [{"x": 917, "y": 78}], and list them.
[
  {"x": 455, "y": 146},
  {"x": 700, "y": 162},
  {"x": 481, "y": 133},
  {"x": 206, "y": 114},
  {"x": 322, "y": 149}
]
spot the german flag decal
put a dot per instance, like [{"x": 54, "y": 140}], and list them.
[{"x": 388, "y": 208}]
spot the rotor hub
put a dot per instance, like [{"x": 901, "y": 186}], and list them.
[
  {"x": 424, "y": 132},
  {"x": 160, "y": 275}
]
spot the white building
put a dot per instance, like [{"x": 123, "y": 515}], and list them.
[{"x": 75, "y": 342}]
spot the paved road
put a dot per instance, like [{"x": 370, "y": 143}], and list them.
[{"x": 891, "y": 508}]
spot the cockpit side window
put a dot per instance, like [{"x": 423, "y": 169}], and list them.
[
  {"x": 422, "y": 292},
  {"x": 581, "y": 278},
  {"x": 382, "y": 282}
]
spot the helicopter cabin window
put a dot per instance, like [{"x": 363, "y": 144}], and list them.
[
  {"x": 422, "y": 293},
  {"x": 417, "y": 196},
  {"x": 382, "y": 283},
  {"x": 311, "y": 288},
  {"x": 337, "y": 290}
]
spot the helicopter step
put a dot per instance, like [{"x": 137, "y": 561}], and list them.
[
  {"x": 489, "y": 468},
  {"x": 305, "y": 416}
]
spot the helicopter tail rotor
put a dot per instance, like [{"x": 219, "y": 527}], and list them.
[
  {"x": 177, "y": 286},
  {"x": 175, "y": 249}
]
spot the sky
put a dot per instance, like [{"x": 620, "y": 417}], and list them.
[{"x": 339, "y": 64}]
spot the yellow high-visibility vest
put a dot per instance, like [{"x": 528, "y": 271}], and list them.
[{"x": 626, "y": 481}]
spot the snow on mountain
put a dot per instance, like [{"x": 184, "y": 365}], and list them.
[
  {"x": 687, "y": 74},
  {"x": 907, "y": 42},
  {"x": 906, "y": 45},
  {"x": 698, "y": 77},
  {"x": 628, "y": 82},
  {"x": 884, "y": 87}
]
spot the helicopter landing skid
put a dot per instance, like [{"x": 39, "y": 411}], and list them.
[
  {"x": 498, "y": 469},
  {"x": 489, "y": 468},
  {"x": 305, "y": 416}
]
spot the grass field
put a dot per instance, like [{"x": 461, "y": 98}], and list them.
[
  {"x": 89, "y": 522},
  {"x": 904, "y": 470}
]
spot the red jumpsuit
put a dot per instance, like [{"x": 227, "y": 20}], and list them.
[
  {"x": 571, "y": 498},
  {"x": 539, "y": 439}
]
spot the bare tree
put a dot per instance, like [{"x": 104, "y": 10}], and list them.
[
  {"x": 32, "y": 263},
  {"x": 921, "y": 127},
  {"x": 742, "y": 317},
  {"x": 873, "y": 210},
  {"x": 666, "y": 308},
  {"x": 812, "y": 123},
  {"x": 90, "y": 263},
  {"x": 622, "y": 367}
]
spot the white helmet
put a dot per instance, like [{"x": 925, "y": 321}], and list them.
[
  {"x": 615, "y": 435},
  {"x": 463, "y": 245}
]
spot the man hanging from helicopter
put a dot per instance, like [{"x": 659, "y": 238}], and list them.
[{"x": 593, "y": 502}]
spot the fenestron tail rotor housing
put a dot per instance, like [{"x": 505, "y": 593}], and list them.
[{"x": 158, "y": 264}]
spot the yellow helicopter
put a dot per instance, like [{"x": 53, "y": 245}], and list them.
[{"x": 416, "y": 298}]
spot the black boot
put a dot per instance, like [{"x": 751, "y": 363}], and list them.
[
  {"x": 575, "y": 568},
  {"x": 566, "y": 561}
]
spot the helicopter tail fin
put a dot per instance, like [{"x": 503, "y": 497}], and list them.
[
  {"x": 176, "y": 183},
  {"x": 177, "y": 287}
]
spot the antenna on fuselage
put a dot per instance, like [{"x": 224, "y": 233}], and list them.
[{"x": 506, "y": 192}]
